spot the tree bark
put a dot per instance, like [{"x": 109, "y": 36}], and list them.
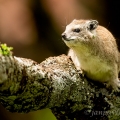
[{"x": 55, "y": 83}]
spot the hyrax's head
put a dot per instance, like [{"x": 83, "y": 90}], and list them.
[{"x": 79, "y": 31}]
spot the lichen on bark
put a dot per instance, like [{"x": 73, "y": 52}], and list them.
[{"x": 55, "y": 83}]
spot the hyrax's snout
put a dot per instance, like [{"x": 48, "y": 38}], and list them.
[{"x": 63, "y": 36}]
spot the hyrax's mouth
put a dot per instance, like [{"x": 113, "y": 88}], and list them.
[{"x": 66, "y": 39}]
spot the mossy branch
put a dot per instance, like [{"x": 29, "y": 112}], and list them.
[{"x": 55, "y": 83}]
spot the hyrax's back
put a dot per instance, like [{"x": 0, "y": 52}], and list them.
[{"x": 107, "y": 44}]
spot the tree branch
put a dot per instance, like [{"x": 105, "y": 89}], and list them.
[{"x": 56, "y": 84}]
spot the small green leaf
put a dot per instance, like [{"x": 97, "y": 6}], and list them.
[{"x": 5, "y": 50}]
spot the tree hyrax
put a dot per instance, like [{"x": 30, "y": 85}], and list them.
[{"x": 93, "y": 49}]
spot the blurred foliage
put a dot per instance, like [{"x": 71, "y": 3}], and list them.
[{"x": 44, "y": 115}]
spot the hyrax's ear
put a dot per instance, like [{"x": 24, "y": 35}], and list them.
[
  {"x": 74, "y": 20},
  {"x": 92, "y": 25}
]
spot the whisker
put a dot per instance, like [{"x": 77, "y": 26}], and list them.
[
  {"x": 108, "y": 25},
  {"x": 65, "y": 20},
  {"x": 63, "y": 26}
]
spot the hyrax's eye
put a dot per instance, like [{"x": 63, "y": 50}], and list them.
[{"x": 77, "y": 30}]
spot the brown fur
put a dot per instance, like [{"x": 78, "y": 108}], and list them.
[{"x": 94, "y": 49}]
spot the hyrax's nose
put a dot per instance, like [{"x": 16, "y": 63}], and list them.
[{"x": 63, "y": 35}]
